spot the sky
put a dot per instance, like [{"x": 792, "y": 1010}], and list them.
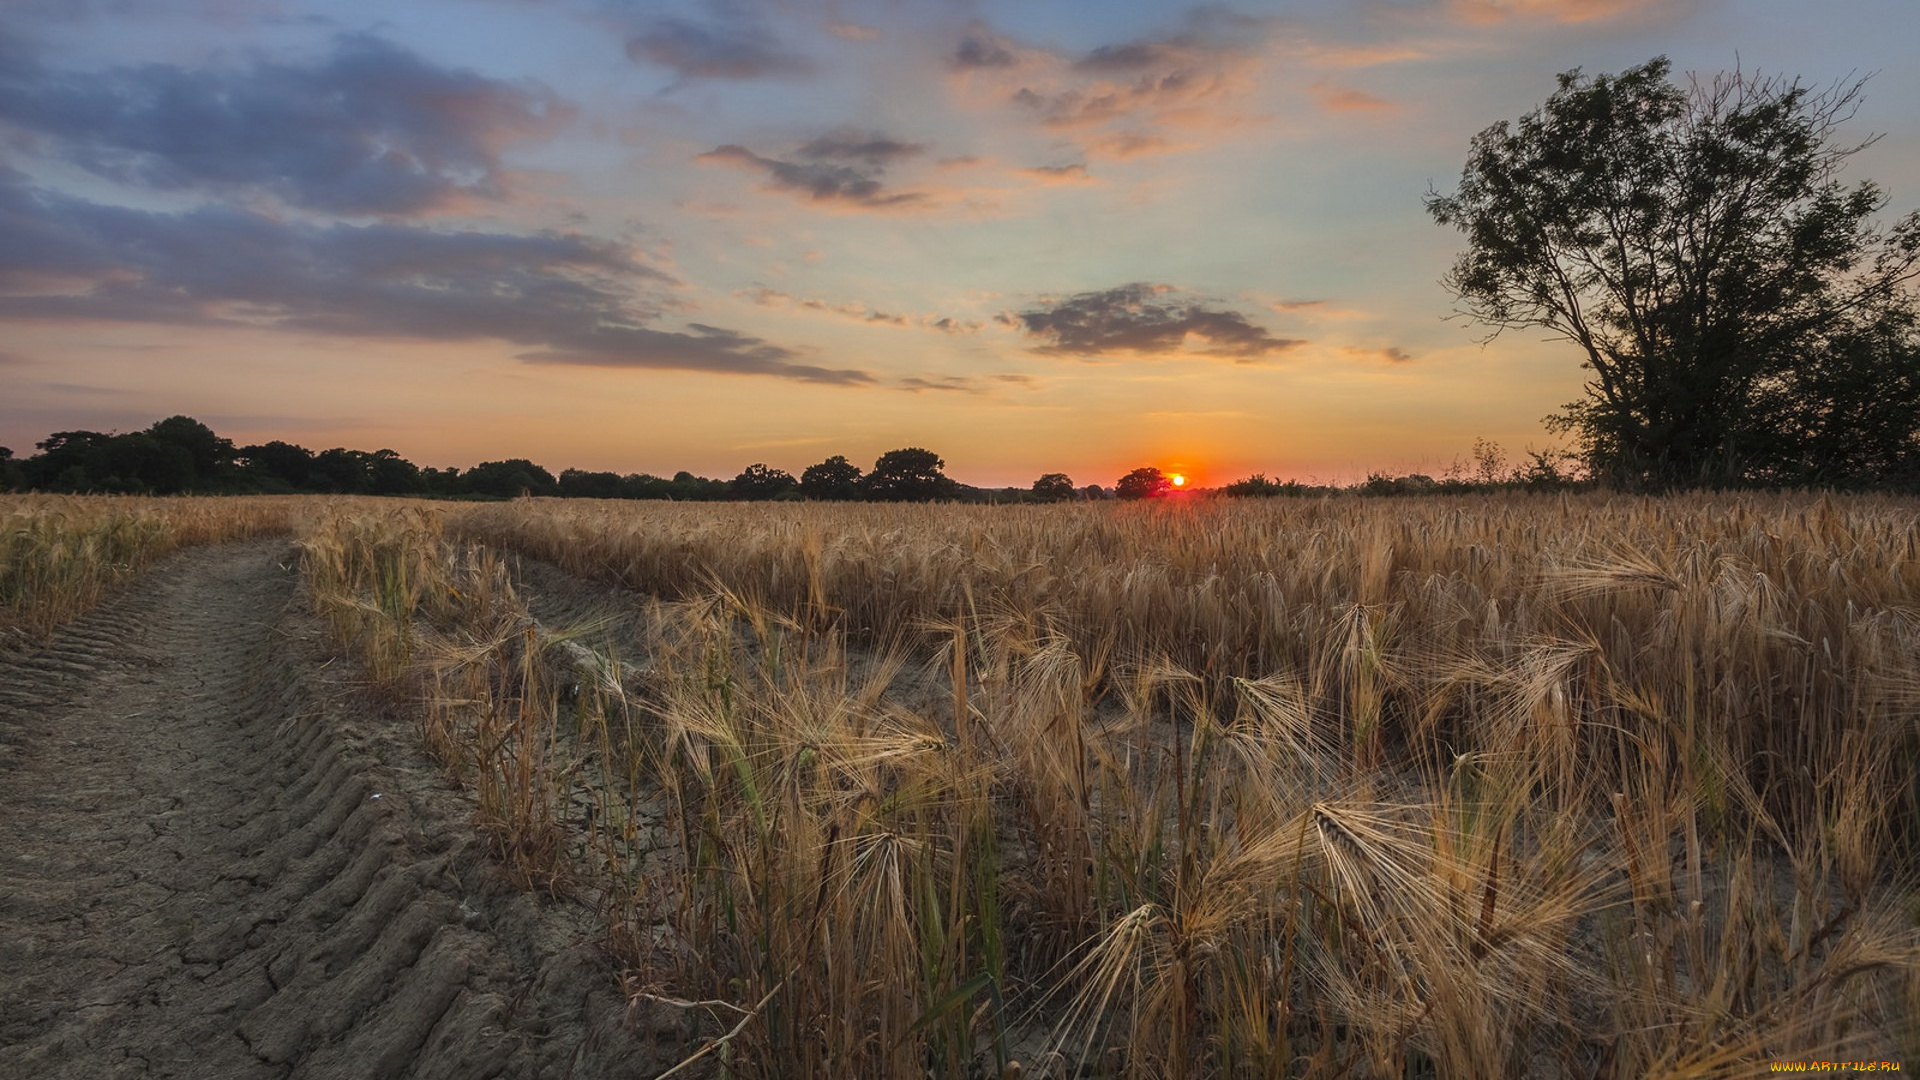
[{"x": 1031, "y": 235}]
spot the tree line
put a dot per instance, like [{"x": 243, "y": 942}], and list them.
[{"x": 181, "y": 455}]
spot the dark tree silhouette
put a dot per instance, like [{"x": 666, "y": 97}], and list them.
[
  {"x": 578, "y": 484},
  {"x": 510, "y": 479},
  {"x": 282, "y": 461},
  {"x": 909, "y": 475},
  {"x": 757, "y": 482},
  {"x": 140, "y": 463},
  {"x": 834, "y": 478},
  {"x": 1143, "y": 483},
  {"x": 390, "y": 474},
  {"x": 209, "y": 454},
  {"x": 1053, "y": 487},
  {"x": 1744, "y": 318}
]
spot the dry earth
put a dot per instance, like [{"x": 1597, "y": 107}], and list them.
[{"x": 217, "y": 859}]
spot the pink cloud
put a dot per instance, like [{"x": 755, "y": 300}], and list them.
[{"x": 1345, "y": 99}]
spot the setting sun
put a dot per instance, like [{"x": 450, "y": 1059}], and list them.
[{"x": 1178, "y": 480}]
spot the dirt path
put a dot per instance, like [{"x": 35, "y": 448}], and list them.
[{"x": 217, "y": 861}]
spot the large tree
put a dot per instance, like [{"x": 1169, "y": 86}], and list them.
[
  {"x": 1745, "y": 318},
  {"x": 1146, "y": 482},
  {"x": 909, "y": 475},
  {"x": 834, "y": 478}
]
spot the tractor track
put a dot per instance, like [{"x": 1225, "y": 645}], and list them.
[{"x": 219, "y": 858}]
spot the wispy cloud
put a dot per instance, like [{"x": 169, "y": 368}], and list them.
[
  {"x": 858, "y": 312},
  {"x": 568, "y": 297},
  {"x": 1488, "y": 12},
  {"x": 1060, "y": 174},
  {"x": 1346, "y": 99},
  {"x": 723, "y": 49},
  {"x": 843, "y": 168},
  {"x": 372, "y": 129},
  {"x": 963, "y": 384},
  {"x": 1145, "y": 320},
  {"x": 1120, "y": 100},
  {"x": 847, "y": 31}
]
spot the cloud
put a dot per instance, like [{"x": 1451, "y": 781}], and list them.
[
  {"x": 842, "y": 168},
  {"x": 1125, "y": 145},
  {"x": 1061, "y": 174},
  {"x": 1135, "y": 319},
  {"x": 873, "y": 148},
  {"x": 13, "y": 359},
  {"x": 979, "y": 49},
  {"x": 962, "y": 384},
  {"x": 1393, "y": 354},
  {"x": 846, "y": 31},
  {"x": 1489, "y": 12},
  {"x": 1344, "y": 99},
  {"x": 371, "y": 129},
  {"x": 1117, "y": 97},
  {"x": 728, "y": 50},
  {"x": 567, "y": 297},
  {"x": 859, "y": 312}
]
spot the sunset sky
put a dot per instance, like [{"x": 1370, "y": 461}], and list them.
[{"x": 650, "y": 236}]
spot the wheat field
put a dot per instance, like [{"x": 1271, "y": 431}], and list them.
[{"x": 1577, "y": 786}]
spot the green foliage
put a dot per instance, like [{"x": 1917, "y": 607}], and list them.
[{"x": 1737, "y": 305}]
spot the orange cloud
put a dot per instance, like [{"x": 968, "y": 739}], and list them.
[
  {"x": 1489, "y": 12},
  {"x": 1345, "y": 99},
  {"x": 1057, "y": 175}
]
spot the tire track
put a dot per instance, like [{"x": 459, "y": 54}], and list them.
[{"x": 217, "y": 860}]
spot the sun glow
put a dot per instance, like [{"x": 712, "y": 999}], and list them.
[{"x": 1178, "y": 480}]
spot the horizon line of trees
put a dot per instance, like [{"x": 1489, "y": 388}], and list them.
[{"x": 181, "y": 455}]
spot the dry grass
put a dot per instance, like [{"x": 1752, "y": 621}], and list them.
[
  {"x": 59, "y": 554},
  {"x": 1455, "y": 787}
]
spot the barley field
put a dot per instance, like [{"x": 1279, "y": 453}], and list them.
[{"x": 1563, "y": 786}]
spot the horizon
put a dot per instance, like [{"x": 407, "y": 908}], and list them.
[{"x": 698, "y": 236}]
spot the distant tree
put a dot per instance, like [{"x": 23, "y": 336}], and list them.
[
  {"x": 1258, "y": 486},
  {"x": 12, "y": 477},
  {"x": 282, "y": 461},
  {"x": 443, "y": 482},
  {"x": 340, "y": 471},
  {"x": 645, "y": 486},
  {"x": 909, "y": 475},
  {"x": 390, "y": 474},
  {"x": 61, "y": 464},
  {"x": 140, "y": 463},
  {"x": 1094, "y": 491},
  {"x": 1053, "y": 487},
  {"x": 576, "y": 484},
  {"x": 510, "y": 479},
  {"x": 690, "y": 488},
  {"x": 210, "y": 456},
  {"x": 758, "y": 482},
  {"x": 835, "y": 478},
  {"x": 1745, "y": 319},
  {"x": 1143, "y": 483}
]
